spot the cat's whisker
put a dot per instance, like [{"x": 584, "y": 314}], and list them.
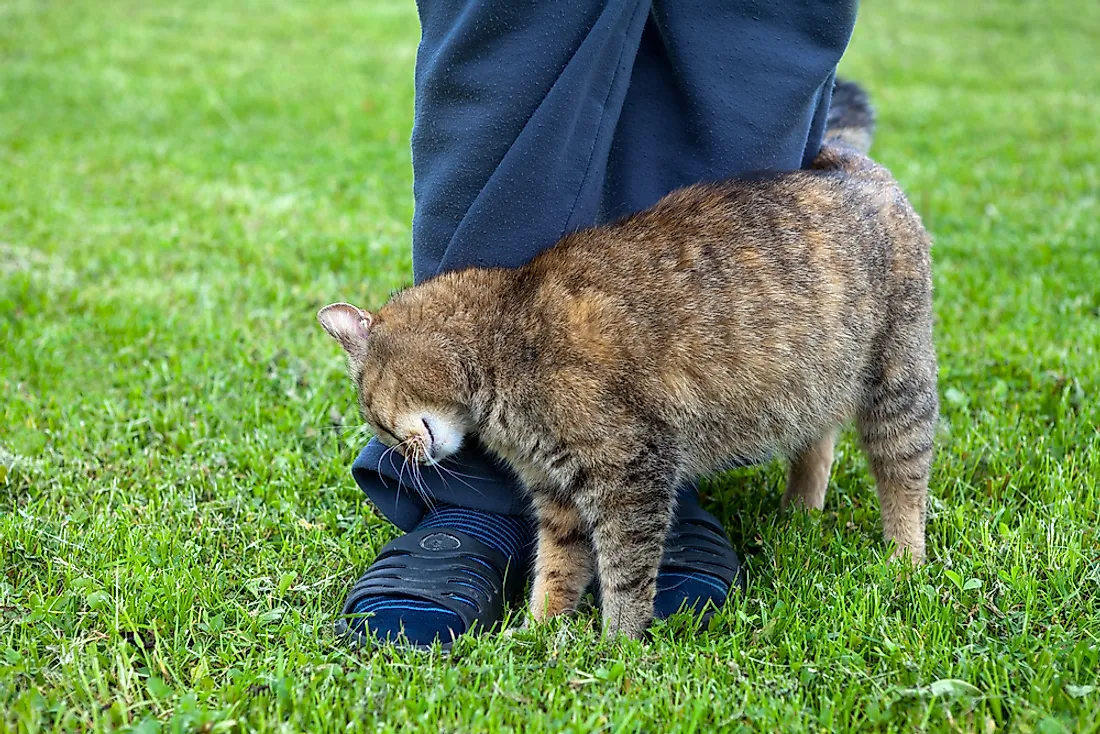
[
  {"x": 347, "y": 429},
  {"x": 442, "y": 478},
  {"x": 439, "y": 468},
  {"x": 456, "y": 473},
  {"x": 385, "y": 454},
  {"x": 416, "y": 480},
  {"x": 397, "y": 490},
  {"x": 401, "y": 471},
  {"x": 422, "y": 487},
  {"x": 413, "y": 460},
  {"x": 378, "y": 469}
]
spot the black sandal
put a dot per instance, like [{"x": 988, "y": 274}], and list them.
[
  {"x": 445, "y": 567},
  {"x": 697, "y": 543}
]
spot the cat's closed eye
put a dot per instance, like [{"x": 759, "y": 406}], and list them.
[{"x": 386, "y": 436}]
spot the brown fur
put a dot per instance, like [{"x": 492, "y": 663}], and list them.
[{"x": 732, "y": 320}]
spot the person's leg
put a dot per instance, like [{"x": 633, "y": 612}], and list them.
[
  {"x": 722, "y": 89},
  {"x": 516, "y": 106},
  {"x": 521, "y": 135}
]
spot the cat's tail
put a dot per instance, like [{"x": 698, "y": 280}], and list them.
[{"x": 851, "y": 119}]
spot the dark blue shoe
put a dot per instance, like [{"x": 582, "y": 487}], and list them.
[
  {"x": 699, "y": 568},
  {"x": 454, "y": 574},
  {"x": 438, "y": 582}
]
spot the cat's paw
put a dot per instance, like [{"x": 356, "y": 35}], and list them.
[
  {"x": 913, "y": 554},
  {"x": 634, "y": 628}
]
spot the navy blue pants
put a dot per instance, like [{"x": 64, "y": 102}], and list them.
[{"x": 535, "y": 118}]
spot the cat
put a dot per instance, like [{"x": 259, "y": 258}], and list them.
[{"x": 733, "y": 320}]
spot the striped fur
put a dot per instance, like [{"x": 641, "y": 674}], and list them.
[{"x": 741, "y": 319}]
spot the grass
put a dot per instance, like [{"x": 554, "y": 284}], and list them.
[{"x": 183, "y": 184}]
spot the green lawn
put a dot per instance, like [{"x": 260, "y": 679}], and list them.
[{"x": 183, "y": 184}]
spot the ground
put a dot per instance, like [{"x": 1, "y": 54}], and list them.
[{"x": 182, "y": 185}]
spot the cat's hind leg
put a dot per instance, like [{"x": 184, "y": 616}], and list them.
[
  {"x": 897, "y": 427},
  {"x": 564, "y": 564},
  {"x": 808, "y": 478}
]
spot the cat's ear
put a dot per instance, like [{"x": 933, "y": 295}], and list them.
[{"x": 346, "y": 324}]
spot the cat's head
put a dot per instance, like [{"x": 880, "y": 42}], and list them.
[{"x": 410, "y": 380}]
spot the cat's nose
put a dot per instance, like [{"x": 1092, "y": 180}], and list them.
[
  {"x": 427, "y": 440},
  {"x": 428, "y": 430}
]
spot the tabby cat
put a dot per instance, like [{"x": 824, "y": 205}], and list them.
[{"x": 734, "y": 320}]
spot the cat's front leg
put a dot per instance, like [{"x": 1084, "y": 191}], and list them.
[
  {"x": 630, "y": 515},
  {"x": 563, "y": 564}
]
